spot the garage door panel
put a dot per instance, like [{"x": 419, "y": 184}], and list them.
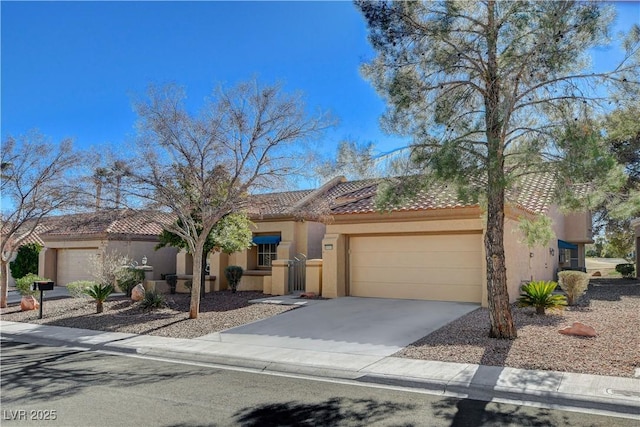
[
  {"x": 74, "y": 264},
  {"x": 471, "y": 293},
  {"x": 427, "y": 259},
  {"x": 438, "y": 267},
  {"x": 424, "y": 276}
]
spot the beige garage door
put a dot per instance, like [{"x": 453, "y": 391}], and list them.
[
  {"x": 74, "y": 264},
  {"x": 430, "y": 267}
]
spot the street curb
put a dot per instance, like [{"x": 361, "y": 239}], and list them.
[{"x": 451, "y": 388}]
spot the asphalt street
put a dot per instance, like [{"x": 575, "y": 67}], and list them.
[{"x": 60, "y": 386}]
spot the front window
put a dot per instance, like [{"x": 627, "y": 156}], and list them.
[{"x": 267, "y": 252}]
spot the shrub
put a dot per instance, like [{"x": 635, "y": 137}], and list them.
[
  {"x": 233, "y": 273},
  {"x": 128, "y": 278},
  {"x": 23, "y": 284},
  {"x": 152, "y": 300},
  {"x": 172, "y": 281},
  {"x": 574, "y": 283},
  {"x": 539, "y": 294},
  {"x": 77, "y": 289},
  {"x": 26, "y": 261},
  {"x": 99, "y": 293},
  {"x": 626, "y": 270}
]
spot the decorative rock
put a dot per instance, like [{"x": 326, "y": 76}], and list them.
[
  {"x": 29, "y": 302},
  {"x": 309, "y": 295},
  {"x": 597, "y": 274},
  {"x": 137, "y": 293},
  {"x": 579, "y": 329}
]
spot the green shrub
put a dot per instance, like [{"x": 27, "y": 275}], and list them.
[
  {"x": 153, "y": 300},
  {"x": 172, "y": 281},
  {"x": 26, "y": 261},
  {"x": 574, "y": 284},
  {"x": 128, "y": 278},
  {"x": 233, "y": 273},
  {"x": 23, "y": 284},
  {"x": 626, "y": 270},
  {"x": 77, "y": 289},
  {"x": 539, "y": 294},
  {"x": 99, "y": 293}
]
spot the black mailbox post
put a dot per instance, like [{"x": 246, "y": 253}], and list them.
[{"x": 41, "y": 286}]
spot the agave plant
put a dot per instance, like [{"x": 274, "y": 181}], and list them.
[
  {"x": 99, "y": 293},
  {"x": 539, "y": 294}
]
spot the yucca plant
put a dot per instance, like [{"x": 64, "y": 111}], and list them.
[
  {"x": 152, "y": 300},
  {"x": 99, "y": 293},
  {"x": 539, "y": 294}
]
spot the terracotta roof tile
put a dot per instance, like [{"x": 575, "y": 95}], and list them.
[{"x": 143, "y": 223}]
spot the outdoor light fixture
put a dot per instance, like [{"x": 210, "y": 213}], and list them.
[{"x": 552, "y": 251}]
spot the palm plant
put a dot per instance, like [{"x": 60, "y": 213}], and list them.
[
  {"x": 99, "y": 293},
  {"x": 539, "y": 294}
]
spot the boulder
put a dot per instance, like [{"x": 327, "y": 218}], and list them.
[
  {"x": 597, "y": 274},
  {"x": 579, "y": 329},
  {"x": 29, "y": 302},
  {"x": 137, "y": 293},
  {"x": 310, "y": 295}
]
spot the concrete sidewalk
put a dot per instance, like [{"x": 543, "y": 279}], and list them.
[{"x": 612, "y": 394}]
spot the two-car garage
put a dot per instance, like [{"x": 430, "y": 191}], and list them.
[
  {"x": 442, "y": 267},
  {"x": 74, "y": 264}
]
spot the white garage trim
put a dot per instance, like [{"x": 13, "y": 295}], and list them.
[
  {"x": 74, "y": 264},
  {"x": 429, "y": 267}
]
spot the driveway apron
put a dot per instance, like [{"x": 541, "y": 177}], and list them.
[{"x": 365, "y": 326}]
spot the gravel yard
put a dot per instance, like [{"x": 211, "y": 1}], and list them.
[
  {"x": 612, "y": 307},
  {"x": 218, "y": 311}
]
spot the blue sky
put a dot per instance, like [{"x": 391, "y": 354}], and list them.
[{"x": 70, "y": 69}]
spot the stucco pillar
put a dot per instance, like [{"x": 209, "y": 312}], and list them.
[
  {"x": 280, "y": 277},
  {"x": 47, "y": 262},
  {"x": 184, "y": 263},
  {"x": 334, "y": 262},
  {"x": 286, "y": 250},
  {"x": 314, "y": 276},
  {"x": 218, "y": 261}
]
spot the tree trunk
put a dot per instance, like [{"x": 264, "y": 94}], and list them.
[
  {"x": 203, "y": 273},
  {"x": 99, "y": 306},
  {"x": 4, "y": 283},
  {"x": 502, "y": 325},
  {"x": 194, "y": 307}
]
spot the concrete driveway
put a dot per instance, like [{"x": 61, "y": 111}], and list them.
[{"x": 364, "y": 326}]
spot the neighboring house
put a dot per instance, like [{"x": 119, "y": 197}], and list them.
[
  {"x": 429, "y": 248},
  {"x": 70, "y": 241}
]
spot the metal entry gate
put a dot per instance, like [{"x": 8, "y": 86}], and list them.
[{"x": 297, "y": 273}]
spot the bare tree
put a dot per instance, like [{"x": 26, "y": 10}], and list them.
[
  {"x": 202, "y": 167},
  {"x": 35, "y": 183}
]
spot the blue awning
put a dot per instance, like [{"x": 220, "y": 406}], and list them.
[
  {"x": 566, "y": 245},
  {"x": 266, "y": 240}
]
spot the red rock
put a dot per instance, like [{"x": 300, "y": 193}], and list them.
[
  {"x": 308, "y": 295},
  {"x": 597, "y": 274},
  {"x": 137, "y": 293},
  {"x": 579, "y": 329},
  {"x": 29, "y": 303}
]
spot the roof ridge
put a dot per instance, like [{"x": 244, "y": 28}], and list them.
[{"x": 324, "y": 189}]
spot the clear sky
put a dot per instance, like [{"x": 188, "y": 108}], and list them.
[{"x": 70, "y": 69}]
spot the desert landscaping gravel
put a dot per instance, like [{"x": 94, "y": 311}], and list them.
[
  {"x": 218, "y": 311},
  {"x": 612, "y": 307}
]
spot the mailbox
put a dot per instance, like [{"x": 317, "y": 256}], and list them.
[{"x": 42, "y": 286}]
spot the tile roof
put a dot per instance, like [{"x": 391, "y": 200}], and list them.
[
  {"x": 107, "y": 222},
  {"x": 534, "y": 194}
]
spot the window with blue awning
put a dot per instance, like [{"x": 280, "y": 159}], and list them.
[
  {"x": 566, "y": 245},
  {"x": 266, "y": 240}
]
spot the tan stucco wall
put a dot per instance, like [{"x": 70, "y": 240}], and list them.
[
  {"x": 523, "y": 263},
  {"x": 578, "y": 227},
  {"x": 163, "y": 261}
]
